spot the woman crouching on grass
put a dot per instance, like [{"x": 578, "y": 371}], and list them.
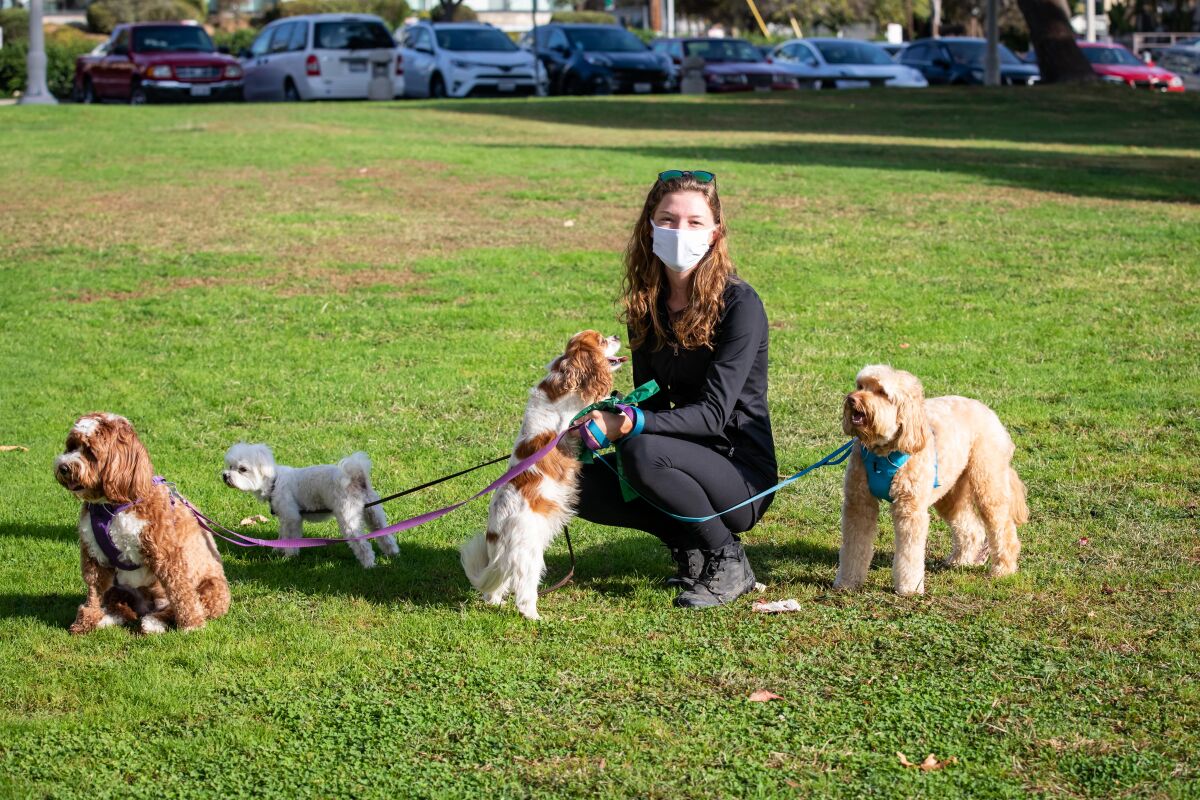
[{"x": 705, "y": 443}]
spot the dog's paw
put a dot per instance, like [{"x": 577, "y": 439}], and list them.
[
  {"x": 291, "y": 552},
  {"x": 109, "y": 620},
  {"x": 388, "y": 546},
  {"x": 494, "y": 598},
  {"x": 152, "y": 624},
  {"x": 999, "y": 570},
  {"x": 530, "y": 612}
]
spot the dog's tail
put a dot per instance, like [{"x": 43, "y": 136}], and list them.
[
  {"x": 1019, "y": 508},
  {"x": 482, "y": 571},
  {"x": 357, "y": 469}
]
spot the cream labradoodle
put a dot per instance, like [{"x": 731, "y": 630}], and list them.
[{"x": 951, "y": 453}]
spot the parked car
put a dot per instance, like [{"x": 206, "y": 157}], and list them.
[
  {"x": 598, "y": 59},
  {"x": 1184, "y": 62},
  {"x": 323, "y": 57},
  {"x": 843, "y": 64},
  {"x": 462, "y": 59},
  {"x": 1114, "y": 64},
  {"x": 149, "y": 62},
  {"x": 959, "y": 60},
  {"x": 893, "y": 49},
  {"x": 730, "y": 65}
]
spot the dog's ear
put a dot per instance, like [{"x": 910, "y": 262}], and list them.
[
  {"x": 125, "y": 472},
  {"x": 582, "y": 369},
  {"x": 909, "y": 397}
]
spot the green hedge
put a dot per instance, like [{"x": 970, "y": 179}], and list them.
[
  {"x": 393, "y": 12},
  {"x": 235, "y": 41},
  {"x": 104, "y": 15},
  {"x": 15, "y": 22},
  {"x": 60, "y": 66},
  {"x": 462, "y": 13},
  {"x": 584, "y": 17}
]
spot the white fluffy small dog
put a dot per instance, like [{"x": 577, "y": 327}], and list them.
[
  {"x": 312, "y": 494},
  {"x": 951, "y": 453},
  {"x": 526, "y": 514}
]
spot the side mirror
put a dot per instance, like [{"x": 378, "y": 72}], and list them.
[
  {"x": 244, "y": 54},
  {"x": 223, "y": 50},
  {"x": 119, "y": 50},
  {"x": 426, "y": 50}
]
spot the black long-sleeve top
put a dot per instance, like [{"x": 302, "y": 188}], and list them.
[{"x": 716, "y": 397}]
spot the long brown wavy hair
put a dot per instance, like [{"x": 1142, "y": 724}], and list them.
[{"x": 645, "y": 275}]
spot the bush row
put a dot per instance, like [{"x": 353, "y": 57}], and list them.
[{"x": 62, "y": 47}]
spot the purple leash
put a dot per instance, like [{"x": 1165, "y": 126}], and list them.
[{"x": 241, "y": 540}]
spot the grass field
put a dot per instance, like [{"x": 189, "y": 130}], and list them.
[{"x": 394, "y": 277}]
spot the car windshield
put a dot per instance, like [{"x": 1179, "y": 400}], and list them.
[
  {"x": 972, "y": 53},
  {"x": 1111, "y": 55},
  {"x": 487, "y": 40},
  {"x": 172, "y": 39},
  {"x": 605, "y": 40},
  {"x": 723, "y": 50},
  {"x": 852, "y": 53},
  {"x": 352, "y": 34}
]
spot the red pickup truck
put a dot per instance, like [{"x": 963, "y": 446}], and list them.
[{"x": 147, "y": 62}]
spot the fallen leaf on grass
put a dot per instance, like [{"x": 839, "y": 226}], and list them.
[
  {"x": 4, "y": 448},
  {"x": 576, "y": 619},
  {"x": 904, "y": 345},
  {"x": 1106, "y": 589},
  {"x": 776, "y": 607},
  {"x": 257, "y": 519},
  {"x": 929, "y": 764},
  {"x": 760, "y": 587},
  {"x": 763, "y": 696},
  {"x": 569, "y": 223},
  {"x": 1083, "y": 541}
]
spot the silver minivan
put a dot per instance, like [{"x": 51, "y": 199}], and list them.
[{"x": 323, "y": 57}]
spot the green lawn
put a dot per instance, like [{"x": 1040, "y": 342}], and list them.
[{"x": 394, "y": 277}]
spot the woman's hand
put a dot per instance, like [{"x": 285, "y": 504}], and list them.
[{"x": 614, "y": 425}]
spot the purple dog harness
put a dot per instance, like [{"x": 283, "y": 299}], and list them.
[{"x": 102, "y": 515}]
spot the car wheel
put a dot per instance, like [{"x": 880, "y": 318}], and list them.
[
  {"x": 137, "y": 95},
  {"x": 437, "y": 87},
  {"x": 290, "y": 93}
]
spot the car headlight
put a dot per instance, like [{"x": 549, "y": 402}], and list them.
[
  {"x": 462, "y": 64},
  {"x": 159, "y": 71},
  {"x": 597, "y": 59},
  {"x": 233, "y": 71},
  {"x": 1175, "y": 81},
  {"x": 1111, "y": 79},
  {"x": 738, "y": 79}
]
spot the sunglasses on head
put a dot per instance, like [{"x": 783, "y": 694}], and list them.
[{"x": 698, "y": 174}]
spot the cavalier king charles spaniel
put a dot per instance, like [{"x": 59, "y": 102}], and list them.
[
  {"x": 145, "y": 558},
  {"x": 526, "y": 514},
  {"x": 951, "y": 453}
]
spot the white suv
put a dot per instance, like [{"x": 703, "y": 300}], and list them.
[
  {"x": 323, "y": 56},
  {"x": 461, "y": 59}
]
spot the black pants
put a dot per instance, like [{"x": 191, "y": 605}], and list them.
[{"x": 682, "y": 477}]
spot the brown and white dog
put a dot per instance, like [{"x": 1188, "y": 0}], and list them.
[
  {"x": 959, "y": 460},
  {"x": 156, "y": 565},
  {"x": 525, "y": 515}
]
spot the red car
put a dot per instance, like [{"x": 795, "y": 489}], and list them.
[
  {"x": 147, "y": 62},
  {"x": 1114, "y": 64},
  {"x": 730, "y": 65}
]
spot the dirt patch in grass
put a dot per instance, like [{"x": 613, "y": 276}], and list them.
[{"x": 371, "y": 216}]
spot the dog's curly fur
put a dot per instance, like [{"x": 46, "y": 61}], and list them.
[
  {"x": 179, "y": 576},
  {"x": 979, "y": 492}
]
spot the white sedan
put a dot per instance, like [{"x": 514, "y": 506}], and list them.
[{"x": 844, "y": 64}]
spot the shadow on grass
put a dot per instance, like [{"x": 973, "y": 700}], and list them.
[
  {"x": 1064, "y": 115},
  {"x": 58, "y": 531},
  {"x": 55, "y": 610},
  {"x": 1113, "y": 177}
]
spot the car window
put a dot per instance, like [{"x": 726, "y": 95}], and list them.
[
  {"x": 171, "y": 39},
  {"x": 1111, "y": 55},
  {"x": 605, "y": 40},
  {"x": 850, "y": 52},
  {"x": 557, "y": 40},
  {"x": 481, "y": 39},
  {"x": 806, "y": 56},
  {"x": 280, "y": 37},
  {"x": 122, "y": 41},
  {"x": 915, "y": 54},
  {"x": 299, "y": 40},
  {"x": 421, "y": 39},
  {"x": 676, "y": 50},
  {"x": 723, "y": 50},
  {"x": 260, "y": 44},
  {"x": 972, "y": 53},
  {"x": 351, "y": 34}
]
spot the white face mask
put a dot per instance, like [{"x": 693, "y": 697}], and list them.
[{"x": 681, "y": 249}]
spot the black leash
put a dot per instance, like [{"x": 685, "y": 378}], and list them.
[
  {"x": 435, "y": 482},
  {"x": 570, "y": 573}
]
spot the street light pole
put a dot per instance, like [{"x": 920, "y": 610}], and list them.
[
  {"x": 991, "y": 61},
  {"x": 36, "y": 93},
  {"x": 1090, "y": 16}
]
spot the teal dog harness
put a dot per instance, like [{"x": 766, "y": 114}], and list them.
[{"x": 881, "y": 470}]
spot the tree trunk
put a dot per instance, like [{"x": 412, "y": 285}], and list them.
[{"x": 1059, "y": 58}]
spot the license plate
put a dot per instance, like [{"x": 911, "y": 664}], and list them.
[
  {"x": 201, "y": 91},
  {"x": 506, "y": 86},
  {"x": 357, "y": 66},
  {"x": 643, "y": 88}
]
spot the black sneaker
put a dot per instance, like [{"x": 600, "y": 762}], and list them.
[
  {"x": 726, "y": 577},
  {"x": 689, "y": 565}
]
